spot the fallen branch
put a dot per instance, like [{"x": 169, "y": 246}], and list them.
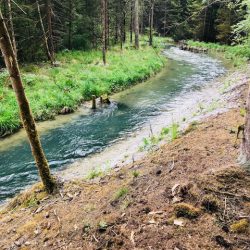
[{"x": 244, "y": 197}]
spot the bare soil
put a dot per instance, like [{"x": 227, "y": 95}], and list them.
[{"x": 184, "y": 196}]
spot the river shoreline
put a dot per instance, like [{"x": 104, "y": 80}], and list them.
[{"x": 192, "y": 111}]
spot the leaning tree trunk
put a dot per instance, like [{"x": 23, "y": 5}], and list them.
[
  {"x": 45, "y": 38},
  {"x": 25, "y": 112},
  {"x": 50, "y": 29},
  {"x": 245, "y": 146},
  {"x": 136, "y": 23}
]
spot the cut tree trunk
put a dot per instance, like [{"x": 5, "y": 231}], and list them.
[{"x": 24, "y": 108}]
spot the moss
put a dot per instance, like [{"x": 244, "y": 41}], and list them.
[
  {"x": 240, "y": 226},
  {"x": 29, "y": 198},
  {"x": 210, "y": 203},
  {"x": 191, "y": 127},
  {"x": 186, "y": 210}
]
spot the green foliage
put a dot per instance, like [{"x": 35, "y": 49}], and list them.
[
  {"x": 174, "y": 130},
  {"x": 243, "y": 112},
  {"x": 80, "y": 75},
  {"x": 94, "y": 173},
  {"x": 135, "y": 173},
  {"x": 103, "y": 225},
  {"x": 122, "y": 192}
]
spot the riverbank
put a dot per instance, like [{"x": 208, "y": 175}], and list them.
[
  {"x": 238, "y": 55},
  {"x": 79, "y": 75},
  {"x": 187, "y": 194}
]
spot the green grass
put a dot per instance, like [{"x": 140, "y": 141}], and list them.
[
  {"x": 171, "y": 133},
  {"x": 122, "y": 192},
  {"x": 238, "y": 54},
  {"x": 79, "y": 76},
  {"x": 94, "y": 173}
]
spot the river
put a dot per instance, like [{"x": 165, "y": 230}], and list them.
[{"x": 87, "y": 133}]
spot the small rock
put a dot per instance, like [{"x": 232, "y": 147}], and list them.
[
  {"x": 18, "y": 243},
  {"x": 37, "y": 231}
]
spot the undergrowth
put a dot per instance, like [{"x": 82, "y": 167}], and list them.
[{"x": 80, "y": 75}]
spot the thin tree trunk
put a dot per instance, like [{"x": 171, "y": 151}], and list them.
[
  {"x": 12, "y": 33},
  {"x": 106, "y": 25},
  {"x": 245, "y": 146},
  {"x": 136, "y": 23},
  {"x": 70, "y": 24},
  {"x": 131, "y": 22},
  {"x": 50, "y": 29},
  {"x": 50, "y": 58},
  {"x": 24, "y": 108},
  {"x": 151, "y": 24},
  {"x": 104, "y": 38}
]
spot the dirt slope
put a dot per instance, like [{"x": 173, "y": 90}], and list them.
[{"x": 189, "y": 194}]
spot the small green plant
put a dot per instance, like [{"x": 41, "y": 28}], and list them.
[
  {"x": 102, "y": 225},
  {"x": 86, "y": 227},
  {"x": 135, "y": 173},
  {"x": 94, "y": 173},
  {"x": 122, "y": 192},
  {"x": 213, "y": 106},
  {"x": 243, "y": 112},
  {"x": 174, "y": 129}
]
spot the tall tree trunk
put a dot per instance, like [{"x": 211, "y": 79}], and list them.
[
  {"x": 50, "y": 29},
  {"x": 70, "y": 24},
  {"x": 151, "y": 23},
  {"x": 45, "y": 38},
  {"x": 124, "y": 22},
  {"x": 245, "y": 146},
  {"x": 12, "y": 33},
  {"x": 104, "y": 32},
  {"x": 106, "y": 25},
  {"x": 25, "y": 112},
  {"x": 136, "y": 23},
  {"x": 131, "y": 22}
]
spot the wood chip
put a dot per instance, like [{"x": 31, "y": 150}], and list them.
[
  {"x": 179, "y": 223},
  {"x": 174, "y": 189},
  {"x": 156, "y": 212}
]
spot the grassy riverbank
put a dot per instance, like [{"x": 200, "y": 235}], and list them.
[
  {"x": 79, "y": 76},
  {"x": 238, "y": 54}
]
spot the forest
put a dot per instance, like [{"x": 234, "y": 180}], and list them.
[{"x": 125, "y": 124}]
